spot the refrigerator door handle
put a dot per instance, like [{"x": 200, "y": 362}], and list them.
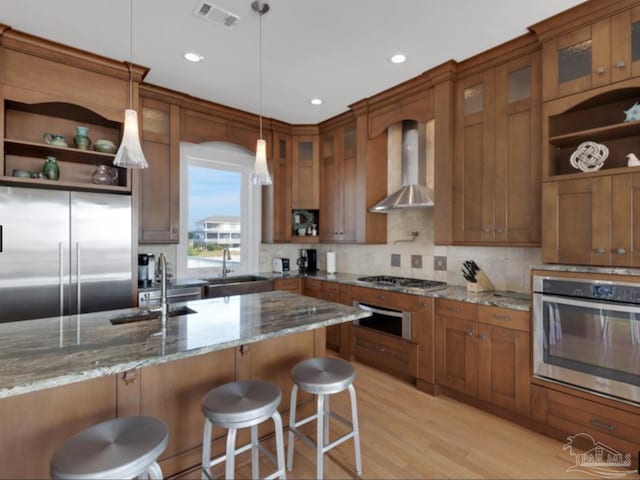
[
  {"x": 79, "y": 288},
  {"x": 1, "y": 238},
  {"x": 61, "y": 279}
]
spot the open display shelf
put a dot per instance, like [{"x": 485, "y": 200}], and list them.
[
  {"x": 25, "y": 149},
  {"x": 600, "y": 119}
]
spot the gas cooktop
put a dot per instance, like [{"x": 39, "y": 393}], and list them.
[{"x": 390, "y": 281}]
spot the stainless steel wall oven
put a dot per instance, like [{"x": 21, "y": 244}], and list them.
[{"x": 587, "y": 334}]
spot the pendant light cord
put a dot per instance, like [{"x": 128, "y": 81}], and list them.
[
  {"x": 130, "y": 54},
  {"x": 260, "y": 13}
]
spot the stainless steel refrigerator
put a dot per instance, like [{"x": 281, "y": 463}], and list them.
[{"x": 63, "y": 253}]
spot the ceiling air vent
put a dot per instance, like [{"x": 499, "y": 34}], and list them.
[{"x": 214, "y": 14}]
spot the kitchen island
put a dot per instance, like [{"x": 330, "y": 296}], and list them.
[{"x": 63, "y": 374}]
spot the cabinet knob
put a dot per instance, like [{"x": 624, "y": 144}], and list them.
[
  {"x": 469, "y": 333},
  {"x": 129, "y": 376},
  {"x": 600, "y": 70},
  {"x": 499, "y": 230},
  {"x": 486, "y": 230},
  {"x": 621, "y": 251},
  {"x": 454, "y": 309},
  {"x": 482, "y": 337},
  {"x": 620, "y": 64},
  {"x": 599, "y": 250}
]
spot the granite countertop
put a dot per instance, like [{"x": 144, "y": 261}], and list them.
[
  {"x": 48, "y": 352},
  {"x": 512, "y": 300}
]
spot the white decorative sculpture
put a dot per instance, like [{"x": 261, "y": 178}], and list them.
[
  {"x": 633, "y": 113},
  {"x": 632, "y": 160},
  {"x": 589, "y": 156}
]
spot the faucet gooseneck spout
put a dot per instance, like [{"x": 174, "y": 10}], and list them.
[{"x": 164, "y": 304}]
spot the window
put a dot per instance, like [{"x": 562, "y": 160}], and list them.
[{"x": 219, "y": 210}]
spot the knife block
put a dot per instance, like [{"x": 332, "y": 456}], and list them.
[{"x": 483, "y": 284}]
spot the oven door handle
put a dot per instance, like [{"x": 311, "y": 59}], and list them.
[
  {"x": 389, "y": 313},
  {"x": 590, "y": 304}
]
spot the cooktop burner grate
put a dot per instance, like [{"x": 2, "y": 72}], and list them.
[{"x": 390, "y": 281}]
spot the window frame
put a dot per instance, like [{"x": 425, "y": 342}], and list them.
[{"x": 238, "y": 159}]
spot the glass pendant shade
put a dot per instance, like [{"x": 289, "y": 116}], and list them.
[
  {"x": 130, "y": 154},
  {"x": 260, "y": 174}
]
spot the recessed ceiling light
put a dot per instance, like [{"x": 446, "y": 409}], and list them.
[
  {"x": 398, "y": 58},
  {"x": 193, "y": 57},
  {"x": 315, "y": 101}
]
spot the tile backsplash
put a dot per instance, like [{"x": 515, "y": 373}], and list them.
[{"x": 507, "y": 267}]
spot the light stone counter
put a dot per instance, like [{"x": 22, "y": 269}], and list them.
[
  {"x": 512, "y": 300},
  {"x": 43, "y": 353}
]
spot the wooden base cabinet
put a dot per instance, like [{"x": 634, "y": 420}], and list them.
[
  {"x": 338, "y": 336},
  {"x": 484, "y": 353},
  {"x": 34, "y": 425},
  {"x": 564, "y": 414}
]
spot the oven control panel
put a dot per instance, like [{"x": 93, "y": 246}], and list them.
[{"x": 590, "y": 289}]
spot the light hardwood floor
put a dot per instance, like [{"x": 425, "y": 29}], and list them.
[{"x": 407, "y": 434}]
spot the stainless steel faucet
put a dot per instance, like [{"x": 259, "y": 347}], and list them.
[
  {"x": 164, "y": 304},
  {"x": 226, "y": 255}
]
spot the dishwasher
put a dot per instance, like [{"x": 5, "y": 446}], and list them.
[{"x": 151, "y": 298}]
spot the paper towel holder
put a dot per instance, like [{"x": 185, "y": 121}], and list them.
[{"x": 331, "y": 262}]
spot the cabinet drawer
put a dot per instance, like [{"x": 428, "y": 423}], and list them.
[
  {"x": 387, "y": 352},
  {"x": 289, "y": 284},
  {"x": 505, "y": 317},
  {"x": 574, "y": 415},
  {"x": 384, "y": 298},
  {"x": 456, "y": 309}
]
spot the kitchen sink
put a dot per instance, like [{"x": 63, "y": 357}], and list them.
[
  {"x": 236, "y": 285},
  {"x": 143, "y": 315}
]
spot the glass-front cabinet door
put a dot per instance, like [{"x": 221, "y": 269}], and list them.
[{"x": 598, "y": 54}]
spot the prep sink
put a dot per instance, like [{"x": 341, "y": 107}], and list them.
[
  {"x": 148, "y": 315},
  {"x": 236, "y": 285}
]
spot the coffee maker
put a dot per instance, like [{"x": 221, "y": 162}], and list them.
[
  {"x": 307, "y": 260},
  {"x": 146, "y": 269}
]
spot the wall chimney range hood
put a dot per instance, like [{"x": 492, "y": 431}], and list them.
[{"x": 413, "y": 194}]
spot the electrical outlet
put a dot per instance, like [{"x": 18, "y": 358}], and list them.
[
  {"x": 416, "y": 261},
  {"x": 395, "y": 259},
  {"x": 440, "y": 263}
]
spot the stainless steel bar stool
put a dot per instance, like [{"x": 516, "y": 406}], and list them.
[
  {"x": 239, "y": 405},
  {"x": 126, "y": 447},
  {"x": 323, "y": 377}
]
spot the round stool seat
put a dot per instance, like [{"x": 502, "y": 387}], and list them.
[
  {"x": 323, "y": 375},
  {"x": 245, "y": 402},
  {"x": 119, "y": 448}
]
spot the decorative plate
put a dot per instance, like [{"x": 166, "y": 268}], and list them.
[
  {"x": 302, "y": 219},
  {"x": 589, "y": 156}
]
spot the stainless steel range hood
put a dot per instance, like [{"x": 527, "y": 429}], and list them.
[{"x": 414, "y": 193}]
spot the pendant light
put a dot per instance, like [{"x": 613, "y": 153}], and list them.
[
  {"x": 260, "y": 174},
  {"x": 130, "y": 154}
]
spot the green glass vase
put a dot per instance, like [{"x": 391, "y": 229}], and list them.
[{"x": 50, "y": 169}]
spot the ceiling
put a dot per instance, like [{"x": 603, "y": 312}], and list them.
[{"x": 337, "y": 50}]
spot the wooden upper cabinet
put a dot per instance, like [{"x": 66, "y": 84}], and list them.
[
  {"x": 338, "y": 204},
  {"x": 159, "y": 184},
  {"x": 305, "y": 186},
  {"x": 276, "y": 203},
  {"x": 591, "y": 221},
  {"x": 497, "y": 166},
  {"x": 599, "y": 53}
]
